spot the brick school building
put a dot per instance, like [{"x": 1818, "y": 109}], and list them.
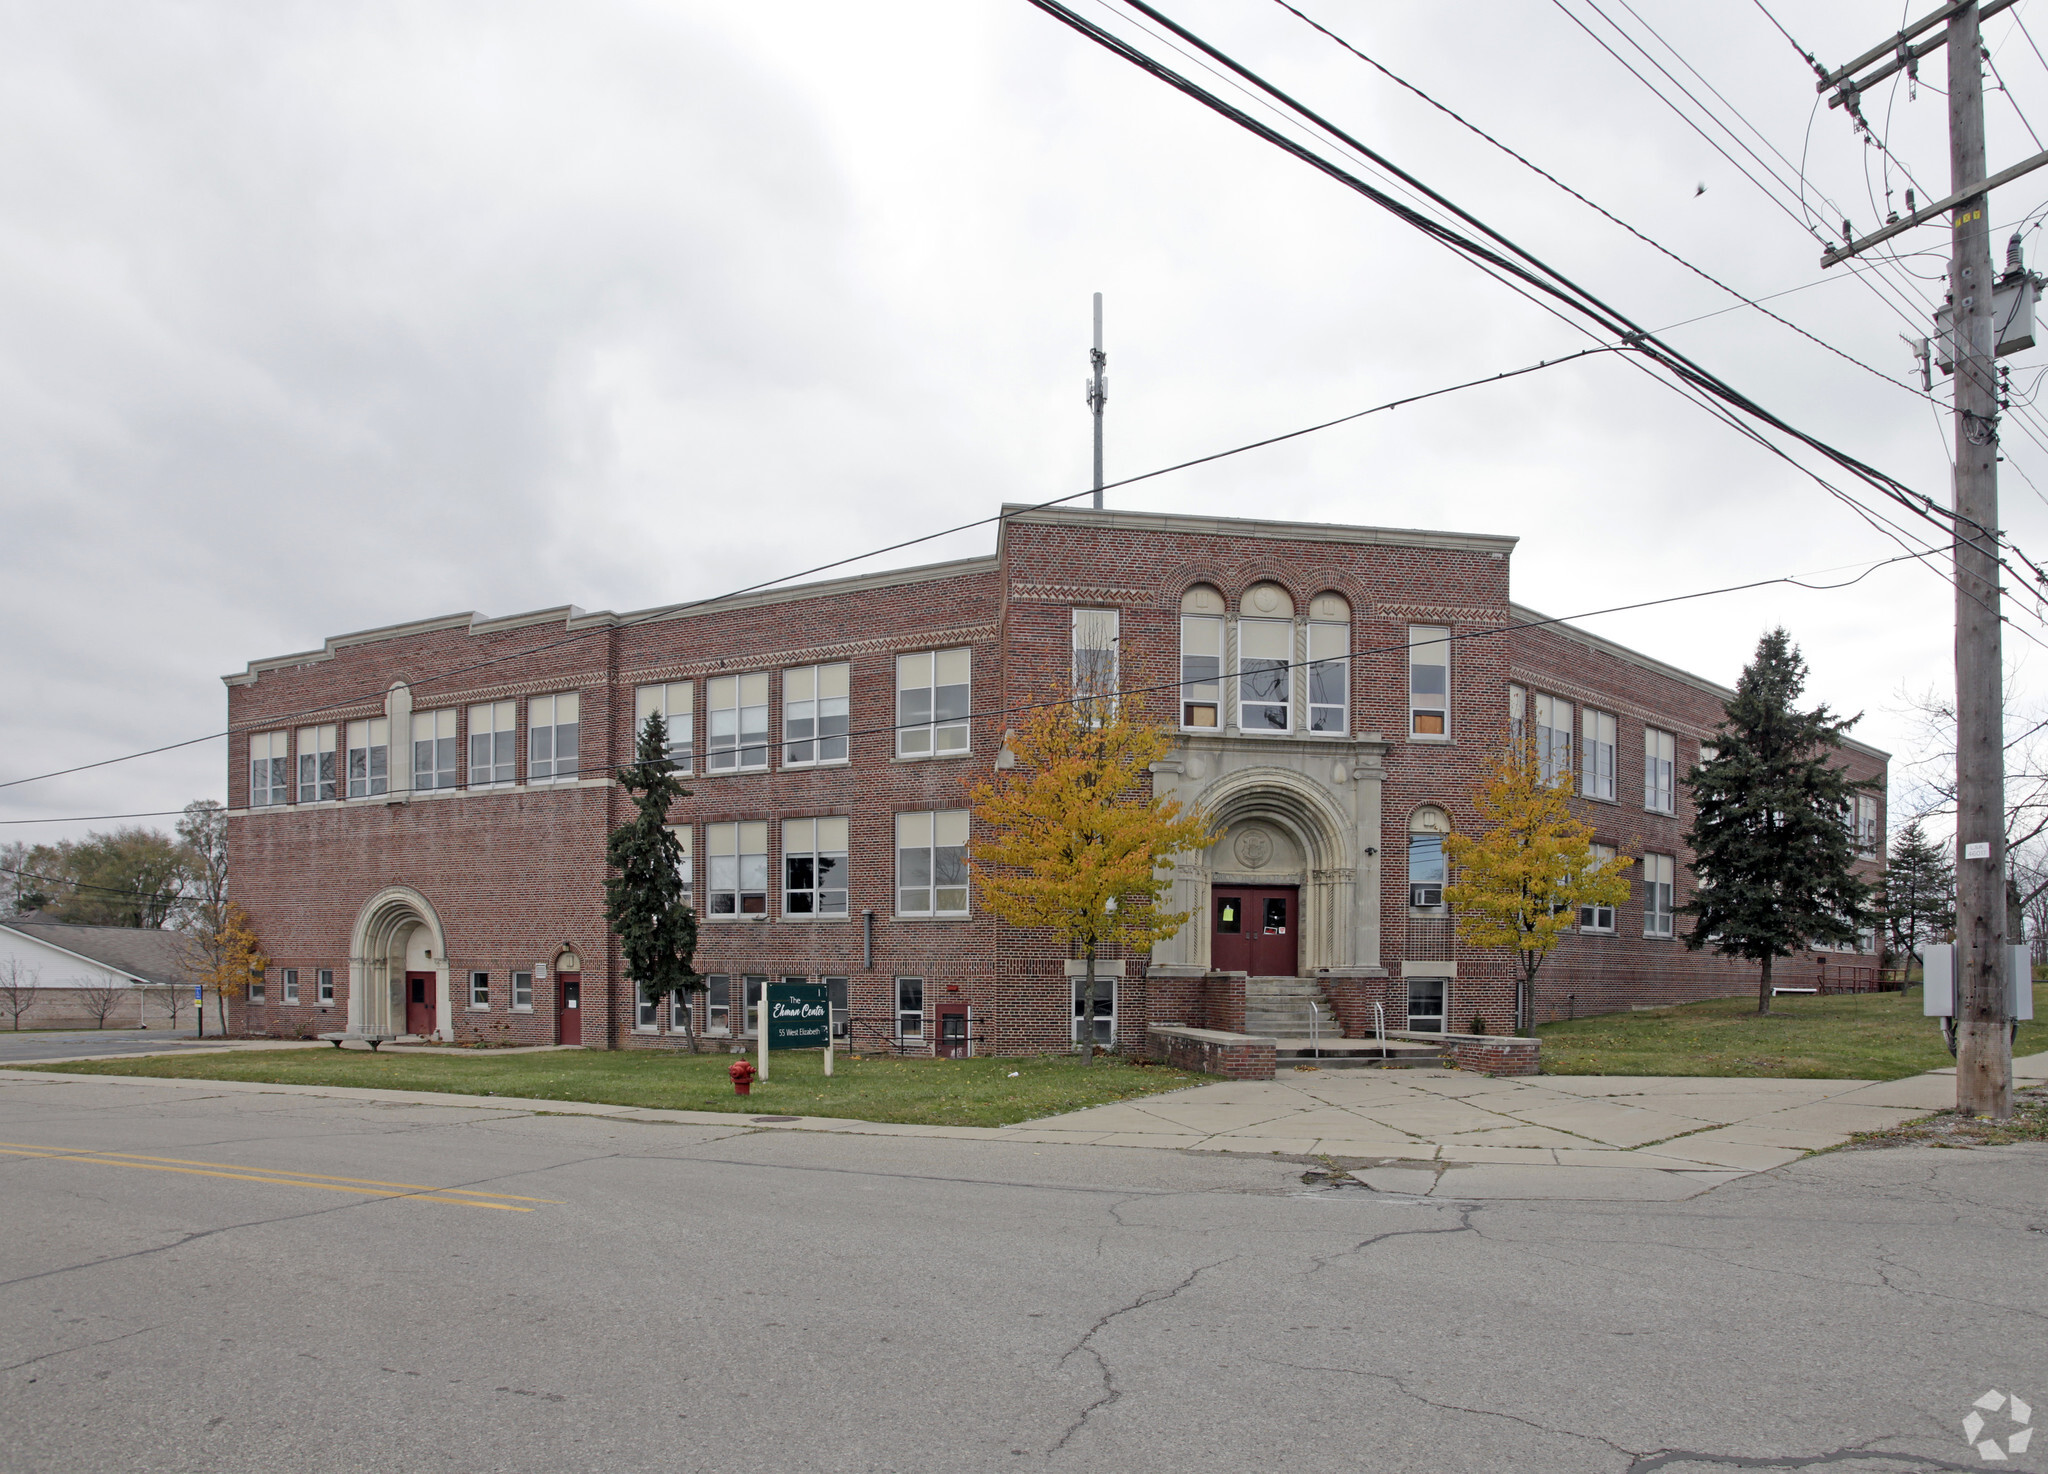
[{"x": 418, "y": 813}]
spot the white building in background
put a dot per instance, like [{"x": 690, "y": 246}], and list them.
[{"x": 71, "y": 969}]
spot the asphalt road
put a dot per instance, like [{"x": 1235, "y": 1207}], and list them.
[
  {"x": 27, "y": 1048},
  {"x": 508, "y": 1291}
]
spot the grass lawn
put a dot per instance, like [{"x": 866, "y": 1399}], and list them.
[
  {"x": 924, "y": 1092},
  {"x": 1855, "y": 1036}
]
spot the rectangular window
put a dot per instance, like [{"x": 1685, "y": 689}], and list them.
[
  {"x": 1105, "y": 1010},
  {"x": 479, "y": 989},
  {"x": 738, "y": 710},
  {"x": 1429, "y": 681},
  {"x": 493, "y": 743},
  {"x": 646, "y": 1012},
  {"x": 1518, "y": 711},
  {"x": 1598, "y": 779},
  {"x": 1426, "y": 1003},
  {"x": 1201, "y": 670},
  {"x": 522, "y": 990},
  {"x": 326, "y": 984},
  {"x": 369, "y": 757},
  {"x": 931, "y": 864},
  {"x": 1657, "y": 896},
  {"x": 1553, "y": 737},
  {"x": 739, "y": 867},
  {"x": 316, "y": 764},
  {"x": 1095, "y": 666},
  {"x": 751, "y": 1019},
  {"x": 435, "y": 753},
  {"x": 814, "y": 867},
  {"x": 552, "y": 728},
  {"x": 270, "y": 768},
  {"x": 1329, "y": 676},
  {"x": 910, "y": 1008},
  {"x": 835, "y": 995},
  {"x": 934, "y": 692},
  {"x": 1265, "y": 666},
  {"x": 814, "y": 720},
  {"x": 718, "y": 1004},
  {"x": 1660, "y": 769},
  {"x": 1598, "y": 918},
  {"x": 675, "y": 703},
  {"x": 687, "y": 864},
  {"x": 1866, "y": 824},
  {"x": 258, "y": 991},
  {"x": 290, "y": 979},
  {"x": 1426, "y": 871}
]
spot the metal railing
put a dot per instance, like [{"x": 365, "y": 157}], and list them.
[
  {"x": 1379, "y": 1024},
  {"x": 1315, "y": 1030}
]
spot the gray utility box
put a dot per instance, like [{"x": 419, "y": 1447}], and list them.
[
  {"x": 1938, "y": 994},
  {"x": 2012, "y": 317}
]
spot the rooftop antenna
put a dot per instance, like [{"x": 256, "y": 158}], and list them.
[{"x": 1098, "y": 395}]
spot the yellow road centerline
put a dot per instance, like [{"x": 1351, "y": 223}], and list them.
[
  {"x": 100, "y": 1160},
  {"x": 404, "y": 1188}
]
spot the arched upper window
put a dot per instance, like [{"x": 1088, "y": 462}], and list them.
[
  {"x": 1201, "y": 656},
  {"x": 1329, "y": 669},
  {"x": 1427, "y": 870},
  {"x": 1265, "y": 659}
]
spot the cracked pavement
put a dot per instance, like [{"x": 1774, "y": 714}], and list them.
[{"x": 717, "y": 1296}]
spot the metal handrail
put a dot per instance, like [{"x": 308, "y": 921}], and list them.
[
  {"x": 1315, "y": 1030},
  {"x": 1379, "y": 1024}
]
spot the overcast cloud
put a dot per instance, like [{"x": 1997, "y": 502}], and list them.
[{"x": 317, "y": 318}]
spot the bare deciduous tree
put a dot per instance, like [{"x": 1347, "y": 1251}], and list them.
[
  {"x": 19, "y": 988},
  {"x": 1929, "y": 789},
  {"x": 99, "y": 998}
]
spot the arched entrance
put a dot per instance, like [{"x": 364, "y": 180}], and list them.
[
  {"x": 1280, "y": 884},
  {"x": 398, "y": 967}
]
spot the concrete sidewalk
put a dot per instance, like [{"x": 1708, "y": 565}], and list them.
[{"x": 1436, "y": 1133}]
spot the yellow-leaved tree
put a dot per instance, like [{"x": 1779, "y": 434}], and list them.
[
  {"x": 1075, "y": 838},
  {"x": 229, "y": 959},
  {"x": 1520, "y": 882}
]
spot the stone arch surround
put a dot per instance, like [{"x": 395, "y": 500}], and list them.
[
  {"x": 384, "y": 935},
  {"x": 1298, "y": 808}
]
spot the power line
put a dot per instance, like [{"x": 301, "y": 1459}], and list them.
[
  {"x": 1797, "y": 580},
  {"x": 668, "y": 610}
]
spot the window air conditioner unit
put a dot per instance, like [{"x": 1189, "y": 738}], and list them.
[{"x": 1425, "y": 895}]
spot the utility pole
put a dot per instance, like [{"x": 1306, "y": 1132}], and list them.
[
  {"x": 1098, "y": 395},
  {"x": 1982, "y": 1004},
  {"x": 1983, "y": 1035}
]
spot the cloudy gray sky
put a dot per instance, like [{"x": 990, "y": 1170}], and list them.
[{"x": 314, "y": 318}]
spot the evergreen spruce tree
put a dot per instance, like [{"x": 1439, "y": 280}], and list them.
[
  {"x": 1919, "y": 892},
  {"x": 656, "y": 928},
  {"x": 1772, "y": 847}
]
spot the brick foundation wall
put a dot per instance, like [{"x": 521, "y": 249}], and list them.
[
  {"x": 1493, "y": 1056},
  {"x": 1238, "y": 1057}
]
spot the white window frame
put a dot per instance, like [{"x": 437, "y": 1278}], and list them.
[
  {"x": 736, "y": 722},
  {"x": 1518, "y": 712},
  {"x": 718, "y": 1004},
  {"x": 1096, "y": 670},
  {"x": 816, "y": 702},
  {"x": 1252, "y": 631},
  {"x": 1418, "y": 847},
  {"x": 838, "y": 998},
  {"x": 269, "y": 769},
  {"x": 910, "y": 1009},
  {"x": 1443, "y": 989},
  {"x": 738, "y": 870},
  {"x": 434, "y": 731},
  {"x": 1866, "y": 825},
  {"x": 479, "y": 988},
  {"x": 935, "y": 702},
  {"x": 687, "y": 864},
  {"x": 371, "y": 739},
  {"x": 752, "y": 986},
  {"x": 1429, "y": 711},
  {"x": 932, "y": 844},
  {"x": 1105, "y": 1018},
  {"x": 1329, "y": 676},
  {"x": 1598, "y": 920},
  {"x": 1553, "y": 719},
  {"x": 1660, "y": 771},
  {"x": 522, "y": 990},
  {"x": 1198, "y": 695},
  {"x": 494, "y": 724},
  {"x": 675, "y": 702},
  {"x": 547, "y": 718},
  {"x": 259, "y": 988},
  {"x": 288, "y": 979},
  {"x": 820, "y": 846},
  {"x": 323, "y": 980},
  {"x": 1659, "y": 896},
  {"x": 646, "y": 1013},
  {"x": 1599, "y": 731},
  {"x": 319, "y": 778}
]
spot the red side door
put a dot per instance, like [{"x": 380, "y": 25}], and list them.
[
  {"x": 420, "y": 1001},
  {"x": 953, "y": 1034},
  {"x": 1230, "y": 942},
  {"x": 569, "y": 1008}
]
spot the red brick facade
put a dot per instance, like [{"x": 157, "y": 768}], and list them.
[{"x": 441, "y": 883}]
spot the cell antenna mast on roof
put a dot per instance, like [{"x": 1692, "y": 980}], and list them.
[{"x": 1098, "y": 395}]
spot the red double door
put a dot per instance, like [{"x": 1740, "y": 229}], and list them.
[{"x": 1256, "y": 930}]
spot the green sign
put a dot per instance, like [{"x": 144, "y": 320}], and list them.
[{"x": 799, "y": 1016}]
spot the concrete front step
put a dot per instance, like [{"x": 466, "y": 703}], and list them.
[{"x": 1357, "y": 1054}]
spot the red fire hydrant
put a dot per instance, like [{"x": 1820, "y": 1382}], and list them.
[{"x": 743, "y": 1073}]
